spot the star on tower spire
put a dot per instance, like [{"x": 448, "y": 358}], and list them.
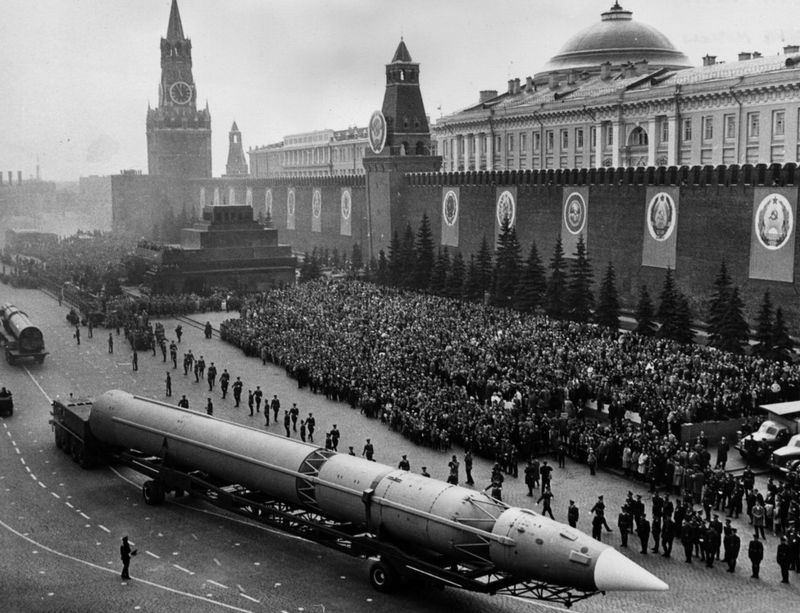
[{"x": 175, "y": 27}]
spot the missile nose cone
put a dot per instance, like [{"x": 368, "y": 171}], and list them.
[{"x": 613, "y": 571}]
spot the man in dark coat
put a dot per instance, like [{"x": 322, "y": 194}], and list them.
[
  {"x": 712, "y": 543},
  {"x": 667, "y": 536},
  {"x": 125, "y": 553},
  {"x": 643, "y": 530},
  {"x": 624, "y": 523},
  {"x": 687, "y": 539},
  {"x": 755, "y": 551},
  {"x": 732, "y": 544},
  {"x": 784, "y": 558},
  {"x": 572, "y": 514}
]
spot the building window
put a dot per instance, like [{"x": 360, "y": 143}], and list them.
[
  {"x": 564, "y": 140},
  {"x": 687, "y": 129},
  {"x": 730, "y": 127},
  {"x": 593, "y": 137},
  {"x": 664, "y": 135},
  {"x": 523, "y": 142},
  {"x": 444, "y": 148},
  {"x": 579, "y": 139},
  {"x": 498, "y": 144},
  {"x": 778, "y": 124},
  {"x": 708, "y": 127},
  {"x": 752, "y": 125},
  {"x": 536, "y": 142},
  {"x": 510, "y": 139},
  {"x": 609, "y": 135},
  {"x": 549, "y": 141},
  {"x": 638, "y": 137}
]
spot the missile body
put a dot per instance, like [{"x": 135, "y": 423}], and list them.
[{"x": 405, "y": 508}]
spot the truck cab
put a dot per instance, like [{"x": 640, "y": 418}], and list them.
[
  {"x": 783, "y": 421},
  {"x": 781, "y": 459}
]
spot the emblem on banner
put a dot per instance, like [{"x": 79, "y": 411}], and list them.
[
  {"x": 290, "y": 203},
  {"x": 268, "y": 203},
  {"x": 506, "y": 208},
  {"x": 661, "y": 216},
  {"x": 346, "y": 204},
  {"x": 377, "y": 132},
  {"x": 575, "y": 213},
  {"x": 774, "y": 221},
  {"x": 316, "y": 204},
  {"x": 450, "y": 207}
]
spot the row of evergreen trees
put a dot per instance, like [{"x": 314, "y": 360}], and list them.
[{"x": 564, "y": 291}]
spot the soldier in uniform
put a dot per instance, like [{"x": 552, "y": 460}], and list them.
[
  {"x": 784, "y": 559},
  {"x": 294, "y": 412},
  {"x": 687, "y": 539},
  {"x": 183, "y": 402},
  {"x": 257, "y": 396},
  {"x": 468, "y": 467},
  {"x": 287, "y": 421},
  {"x": 212, "y": 376},
  {"x": 529, "y": 477},
  {"x": 335, "y": 435},
  {"x": 755, "y": 551},
  {"x": 368, "y": 451},
  {"x": 237, "y": 391},
  {"x": 573, "y": 514},
  {"x": 624, "y": 523},
  {"x": 168, "y": 383},
  {"x": 404, "y": 464},
  {"x": 250, "y": 402},
  {"x": 224, "y": 381},
  {"x": 173, "y": 354},
  {"x": 546, "y": 499},
  {"x": 453, "y": 475},
  {"x": 667, "y": 536},
  {"x": 424, "y": 471},
  {"x": 311, "y": 425},
  {"x": 275, "y": 405},
  {"x": 643, "y": 530},
  {"x": 732, "y": 544},
  {"x": 125, "y": 553}
]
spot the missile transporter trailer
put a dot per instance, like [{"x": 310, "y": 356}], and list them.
[
  {"x": 21, "y": 338},
  {"x": 415, "y": 528}
]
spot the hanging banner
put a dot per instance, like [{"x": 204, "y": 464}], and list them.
[
  {"x": 772, "y": 233},
  {"x": 506, "y": 207},
  {"x": 316, "y": 211},
  {"x": 290, "y": 209},
  {"x": 574, "y": 219},
  {"x": 268, "y": 205},
  {"x": 659, "y": 246},
  {"x": 451, "y": 197},
  {"x": 345, "y": 224}
]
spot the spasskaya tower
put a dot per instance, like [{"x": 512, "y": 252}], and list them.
[{"x": 178, "y": 135}]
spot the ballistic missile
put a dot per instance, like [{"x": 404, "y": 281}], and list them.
[{"x": 410, "y": 510}]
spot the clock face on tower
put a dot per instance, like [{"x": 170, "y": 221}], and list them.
[{"x": 180, "y": 92}]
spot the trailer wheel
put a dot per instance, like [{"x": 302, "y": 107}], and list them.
[
  {"x": 153, "y": 492},
  {"x": 382, "y": 576}
]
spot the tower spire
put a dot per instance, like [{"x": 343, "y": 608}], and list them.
[{"x": 175, "y": 27}]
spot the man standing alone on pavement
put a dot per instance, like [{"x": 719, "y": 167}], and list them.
[
  {"x": 755, "y": 552},
  {"x": 572, "y": 514},
  {"x": 125, "y": 553},
  {"x": 168, "y": 383}
]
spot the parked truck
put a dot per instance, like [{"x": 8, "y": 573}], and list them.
[{"x": 782, "y": 421}]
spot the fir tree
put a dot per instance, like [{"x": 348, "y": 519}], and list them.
[
  {"x": 533, "y": 284},
  {"x": 764, "y": 328},
  {"x": 682, "y": 321},
  {"x": 556, "y": 296},
  {"x": 424, "y": 254},
  {"x": 408, "y": 259},
  {"x": 668, "y": 307},
  {"x": 719, "y": 306},
  {"x": 455, "y": 280},
  {"x": 782, "y": 343},
  {"x": 395, "y": 260},
  {"x": 608, "y": 300},
  {"x": 483, "y": 265},
  {"x": 644, "y": 314},
  {"x": 507, "y": 265},
  {"x": 440, "y": 271},
  {"x": 356, "y": 258},
  {"x": 472, "y": 290},
  {"x": 734, "y": 333},
  {"x": 382, "y": 272},
  {"x": 580, "y": 299}
]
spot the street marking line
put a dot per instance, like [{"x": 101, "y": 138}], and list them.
[
  {"x": 216, "y": 562},
  {"x": 54, "y": 494},
  {"x": 42, "y": 485},
  {"x": 85, "y": 516},
  {"x": 36, "y": 383},
  {"x": 32, "y": 475},
  {"x": 17, "y": 450},
  {"x": 241, "y": 589},
  {"x": 69, "y": 504},
  {"x": 22, "y": 459},
  {"x": 150, "y": 553},
  {"x": 116, "y": 572},
  {"x": 217, "y": 584},
  {"x": 28, "y": 468},
  {"x": 103, "y": 528},
  {"x": 250, "y": 598},
  {"x": 186, "y": 570}
]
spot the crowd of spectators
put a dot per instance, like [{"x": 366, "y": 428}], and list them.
[{"x": 502, "y": 383}]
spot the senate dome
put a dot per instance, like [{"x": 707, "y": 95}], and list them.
[{"x": 617, "y": 39}]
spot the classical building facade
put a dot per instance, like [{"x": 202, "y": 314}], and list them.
[
  {"x": 618, "y": 94},
  {"x": 178, "y": 134},
  {"x": 322, "y": 153}
]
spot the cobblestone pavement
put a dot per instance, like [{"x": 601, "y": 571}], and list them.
[{"x": 89, "y": 369}]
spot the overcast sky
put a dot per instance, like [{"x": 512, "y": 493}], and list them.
[{"x": 77, "y": 75}]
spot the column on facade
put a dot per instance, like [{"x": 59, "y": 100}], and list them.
[
  {"x": 790, "y": 138},
  {"x": 672, "y": 140},
  {"x": 490, "y": 152},
  {"x": 468, "y": 138},
  {"x": 651, "y": 141},
  {"x": 615, "y": 143},
  {"x": 598, "y": 144}
]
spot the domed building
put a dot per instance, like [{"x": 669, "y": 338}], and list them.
[
  {"x": 618, "y": 93},
  {"x": 617, "y": 39}
]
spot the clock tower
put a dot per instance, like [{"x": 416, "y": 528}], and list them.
[{"x": 178, "y": 134}]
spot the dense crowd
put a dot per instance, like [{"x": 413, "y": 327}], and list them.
[{"x": 497, "y": 381}]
